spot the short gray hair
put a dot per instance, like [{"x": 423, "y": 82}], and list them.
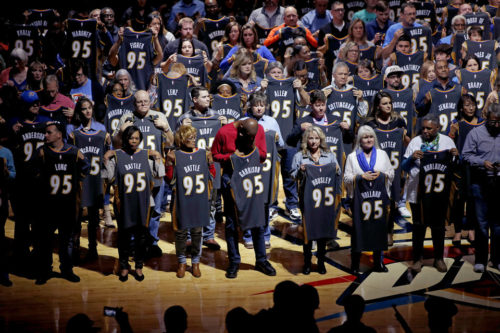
[
  {"x": 363, "y": 131},
  {"x": 339, "y": 64},
  {"x": 275, "y": 64},
  {"x": 456, "y": 18},
  {"x": 493, "y": 110},
  {"x": 20, "y": 54},
  {"x": 433, "y": 118}
]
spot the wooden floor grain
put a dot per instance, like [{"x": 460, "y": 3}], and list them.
[{"x": 26, "y": 307}]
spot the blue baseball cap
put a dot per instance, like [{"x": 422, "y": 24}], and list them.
[{"x": 29, "y": 97}]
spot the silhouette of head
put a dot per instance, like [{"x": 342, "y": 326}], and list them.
[
  {"x": 175, "y": 319},
  {"x": 238, "y": 320},
  {"x": 354, "y": 306}
]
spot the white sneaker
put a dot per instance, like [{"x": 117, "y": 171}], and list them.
[
  {"x": 273, "y": 213},
  {"x": 404, "y": 212},
  {"x": 293, "y": 213},
  {"x": 479, "y": 268}
]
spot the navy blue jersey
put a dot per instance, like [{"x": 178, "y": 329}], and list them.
[
  {"x": 369, "y": 216},
  {"x": 351, "y": 7},
  {"x": 342, "y": 104},
  {"x": 271, "y": 169},
  {"x": 478, "y": 84},
  {"x": 370, "y": 87},
  {"x": 81, "y": 43},
  {"x": 394, "y": 9},
  {"x": 410, "y": 64},
  {"x": 391, "y": 142},
  {"x": 191, "y": 190},
  {"x": 287, "y": 35},
  {"x": 444, "y": 104},
  {"x": 332, "y": 47},
  {"x": 133, "y": 179},
  {"x": 421, "y": 39},
  {"x": 440, "y": 5},
  {"x": 195, "y": 66},
  {"x": 206, "y": 129},
  {"x": 368, "y": 53},
  {"x": 320, "y": 199},
  {"x": 481, "y": 19},
  {"x": 136, "y": 56},
  {"x": 29, "y": 138},
  {"x": 117, "y": 107},
  {"x": 313, "y": 74},
  {"x": 458, "y": 41},
  {"x": 496, "y": 28},
  {"x": 402, "y": 103},
  {"x": 228, "y": 106},
  {"x": 426, "y": 11},
  {"x": 262, "y": 33},
  {"x": 60, "y": 176},
  {"x": 54, "y": 114},
  {"x": 211, "y": 32},
  {"x": 26, "y": 37},
  {"x": 247, "y": 189},
  {"x": 434, "y": 186},
  {"x": 452, "y": 12},
  {"x": 486, "y": 51},
  {"x": 334, "y": 141},
  {"x": 92, "y": 146},
  {"x": 492, "y": 10},
  {"x": 281, "y": 96},
  {"x": 173, "y": 97},
  {"x": 260, "y": 65},
  {"x": 42, "y": 18},
  {"x": 464, "y": 127}
]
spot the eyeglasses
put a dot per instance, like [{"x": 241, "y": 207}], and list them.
[
  {"x": 36, "y": 104},
  {"x": 493, "y": 122},
  {"x": 142, "y": 102},
  {"x": 339, "y": 10},
  {"x": 79, "y": 74},
  {"x": 353, "y": 51},
  {"x": 108, "y": 15}
]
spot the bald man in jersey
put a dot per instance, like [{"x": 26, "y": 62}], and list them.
[{"x": 240, "y": 137}]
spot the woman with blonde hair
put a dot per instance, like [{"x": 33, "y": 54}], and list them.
[
  {"x": 242, "y": 73},
  {"x": 315, "y": 153}
]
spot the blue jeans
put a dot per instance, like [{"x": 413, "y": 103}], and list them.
[
  {"x": 154, "y": 221},
  {"x": 488, "y": 223},
  {"x": 289, "y": 184},
  {"x": 231, "y": 229}
]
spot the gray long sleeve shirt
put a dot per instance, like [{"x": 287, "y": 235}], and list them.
[{"x": 480, "y": 146}]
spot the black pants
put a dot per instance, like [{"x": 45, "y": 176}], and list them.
[
  {"x": 93, "y": 217},
  {"x": 26, "y": 215},
  {"x": 63, "y": 220},
  {"x": 124, "y": 245},
  {"x": 4, "y": 212},
  {"x": 419, "y": 229},
  {"x": 321, "y": 250}
]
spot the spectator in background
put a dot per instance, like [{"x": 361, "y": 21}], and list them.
[
  {"x": 376, "y": 29},
  {"x": 135, "y": 15},
  {"x": 175, "y": 319},
  {"x": 318, "y": 17},
  {"x": 185, "y": 8},
  {"x": 337, "y": 27},
  {"x": 186, "y": 32},
  {"x": 368, "y": 14},
  {"x": 83, "y": 86},
  {"x": 268, "y": 16},
  {"x": 354, "y": 306}
]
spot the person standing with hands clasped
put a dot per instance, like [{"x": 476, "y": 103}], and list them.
[{"x": 368, "y": 166}]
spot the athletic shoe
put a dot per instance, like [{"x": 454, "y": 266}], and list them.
[
  {"x": 268, "y": 244},
  {"x": 404, "y": 212},
  {"x": 248, "y": 245},
  {"x": 293, "y": 213},
  {"x": 479, "y": 268},
  {"x": 273, "y": 213}
]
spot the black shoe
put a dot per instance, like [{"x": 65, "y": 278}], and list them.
[
  {"x": 139, "y": 277},
  {"x": 321, "y": 267},
  {"x": 5, "y": 281},
  {"x": 265, "y": 267},
  {"x": 232, "y": 271},
  {"x": 91, "y": 255},
  {"x": 306, "y": 270},
  {"x": 43, "y": 278},
  {"x": 212, "y": 244},
  {"x": 123, "y": 278},
  {"x": 380, "y": 268},
  {"x": 332, "y": 245},
  {"x": 155, "y": 251},
  {"x": 70, "y": 276}
]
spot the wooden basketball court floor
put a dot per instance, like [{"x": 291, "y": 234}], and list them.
[{"x": 26, "y": 307}]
